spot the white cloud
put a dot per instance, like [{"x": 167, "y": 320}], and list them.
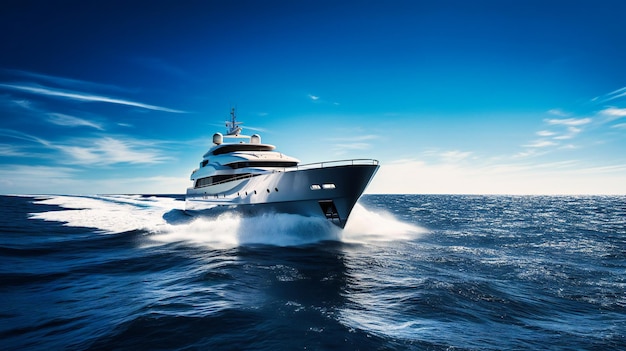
[
  {"x": 558, "y": 112},
  {"x": 571, "y": 132},
  {"x": 564, "y": 137},
  {"x": 352, "y": 143},
  {"x": 528, "y": 153},
  {"x": 540, "y": 143},
  {"x": 66, "y": 82},
  {"x": 71, "y": 121},
  {"x": 23, "y": 136},
  {"x": 569, "y": 121},
  {"x": 574, "y": 130},
  {"x": 101, "y": 151},
  {"x": 109, "y": 151},
  {"x": 11, "y": 151},
  {"x": 572, "y": 126},
  {"x": 545, "y": 133},
  {"x": 616, "y": 94},
  {"x": 357, "y": 138},
  {"x": 85, "y": 97},
  {"x": 313, "y": 97},
  {"x": 614, "y": 113}
]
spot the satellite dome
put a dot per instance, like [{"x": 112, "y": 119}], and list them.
[
  {"x": 255, "y": 139},
  {"x": 218, "y": 138}
]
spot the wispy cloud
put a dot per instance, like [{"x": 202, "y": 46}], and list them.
[
  {"x": 616, "y": 94},
  {"x": 23, "y": 136},
  {"x": 619, "y": 126},
  {"x": 256, "y": 129},
  {"x": 97, "y": 151},
  {"x": 109, "y": 151},
  {"x": 528, "y": 152},
  {"x": 7, "y": 150},
  {"x": 568, "y": 127},
  {"x": 545, "y": 133},
  {"x": 357, "y": 138},
  {"x": 65, "y": 82},
  {"x": 79, "y": 96},
  {"x": 71, "y": 121},
  {"x": 319, "y": 100},
  {"x": 569, "y": 121},
  {"x": 558, "y": 112},
  {"x": 571, "y": 132},
  {"x": 562, "y": 129},
  {"x": 613, "y": 113},
  {"x": 540, "y": 144},
  {"x": 352, "y": 143}
]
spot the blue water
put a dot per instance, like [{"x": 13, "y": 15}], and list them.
[{"x": 409, "y": 272}]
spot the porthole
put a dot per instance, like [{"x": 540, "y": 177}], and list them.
[
  {"x": 268, "y": 191},
  {"x": 276, "y": 189}
]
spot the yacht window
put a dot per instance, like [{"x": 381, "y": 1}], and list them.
[
  {"x": 226, "y": 148},
  {"x": 206, "y": 181},
  {"x": 245, "y": 164}
]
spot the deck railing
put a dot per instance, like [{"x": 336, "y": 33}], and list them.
[{"x": 353, "y": 162}]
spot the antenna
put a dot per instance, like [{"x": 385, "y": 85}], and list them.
[{"x": 233, "y": 125}]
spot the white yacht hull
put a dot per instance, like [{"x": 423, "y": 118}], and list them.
[{"x": 327, "y": 192}]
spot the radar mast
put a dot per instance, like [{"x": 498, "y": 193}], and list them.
[{"x": 232, "y": 125}]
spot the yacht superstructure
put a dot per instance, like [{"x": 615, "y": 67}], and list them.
[{"x": 241, "y": 173}]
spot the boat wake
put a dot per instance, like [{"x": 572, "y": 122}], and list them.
[{"x": 165, "y": 221}]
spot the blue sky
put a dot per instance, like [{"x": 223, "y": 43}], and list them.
[{"x": 471, "y": 97}]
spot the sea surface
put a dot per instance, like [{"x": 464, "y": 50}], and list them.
[{"x": 409, "y": 272}]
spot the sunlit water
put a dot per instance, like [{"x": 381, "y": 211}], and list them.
[{"x": 408, "y": 272}]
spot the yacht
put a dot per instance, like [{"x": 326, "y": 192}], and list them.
[{"x": 240, "y": 173}]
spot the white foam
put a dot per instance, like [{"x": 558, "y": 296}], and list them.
[
  {"x": 109, "y": 214},
  {"x": 165, "y": 220},
  {"x": 230, "y": 230},
  {"x": 367, "y": 225}
]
